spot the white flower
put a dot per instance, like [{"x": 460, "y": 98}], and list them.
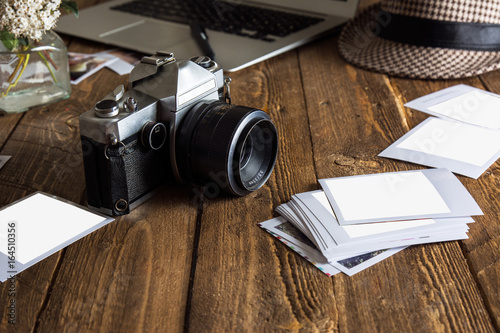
[{"x": 29, "y": 18}]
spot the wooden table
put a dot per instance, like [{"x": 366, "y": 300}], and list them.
[{"x": 175, "y": 264}]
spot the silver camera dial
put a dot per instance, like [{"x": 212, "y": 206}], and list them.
[
  {"x": 153, "y": 135},
  {"x": 106, "y": 108}
]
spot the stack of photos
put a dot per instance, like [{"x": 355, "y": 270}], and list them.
[{"x": 357, "y": 221}]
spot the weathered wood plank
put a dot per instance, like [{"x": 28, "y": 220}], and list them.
[
  {"x": 130, "y": 276},
  {"x": 423, "y": 289},
  {"x": 44, "y": 157},
  {"x": 173, "y": 265},
  {"x": 482, "y": 249},
  {"x": 429, "y": 282},
  {"x": 8, "y": 123},
  {"x": 245, "y": 280}
]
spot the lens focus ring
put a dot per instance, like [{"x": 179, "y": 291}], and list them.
[{"x": 232, "y": 146}]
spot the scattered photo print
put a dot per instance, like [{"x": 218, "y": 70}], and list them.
[
  {"x": 355, "y": 261},
  {"x": 291, "y": 230},
  {"x": 82, "y": 66}
]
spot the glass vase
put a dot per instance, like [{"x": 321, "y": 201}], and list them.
[{"x": 34, "y": 76}]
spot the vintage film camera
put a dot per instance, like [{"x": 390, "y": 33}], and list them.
[{"x": 175, "y": 122}]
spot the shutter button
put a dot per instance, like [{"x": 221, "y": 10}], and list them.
[{"x": 106, "y": 108}]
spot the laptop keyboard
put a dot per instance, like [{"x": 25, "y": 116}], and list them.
[{"x": 233, "y": 18}]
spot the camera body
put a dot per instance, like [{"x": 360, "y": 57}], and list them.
[{"x": 173, "y": 123}]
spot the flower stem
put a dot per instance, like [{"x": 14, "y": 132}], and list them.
[
  {"x": 13, "y": 75},
  {"x": 24, "y": 60},
  {"x": 48, "y": 66},
  {"x": 47, "y": 54}
]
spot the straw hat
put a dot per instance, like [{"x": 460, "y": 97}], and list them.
[{"x": 429, "y": 39}]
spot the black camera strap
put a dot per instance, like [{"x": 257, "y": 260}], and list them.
[{"x": 118, "y": 180}]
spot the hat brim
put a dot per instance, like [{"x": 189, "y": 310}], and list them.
[{"x": 359, "y": 45}]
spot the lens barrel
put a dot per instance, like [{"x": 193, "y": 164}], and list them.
[{"x": 232, "y": 146}]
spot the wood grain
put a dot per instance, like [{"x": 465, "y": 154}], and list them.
[
  {"x": 481, "y": 250},
  {"x": 437, "y": 287},
  {"x": 44, "y": 157},
  {"x": 246, "y": 281},
  {"x": 134, "y": 275},
  {"x": 8, "y": 122},
  {"x": 186, "y": 263}
]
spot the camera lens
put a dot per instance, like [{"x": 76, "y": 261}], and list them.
[
  {"x": 246, "y": 152},
  {"x": 252, "y": 156},
  {"x": 234, "y": 147}
]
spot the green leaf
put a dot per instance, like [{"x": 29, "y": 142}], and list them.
[
  {"x": 9, "y": 40},
  {"x": 70, "y": 6},
  {"x": 24, "y": 41}
]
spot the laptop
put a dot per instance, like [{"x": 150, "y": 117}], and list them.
[{"x": 238, "y": 33}]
